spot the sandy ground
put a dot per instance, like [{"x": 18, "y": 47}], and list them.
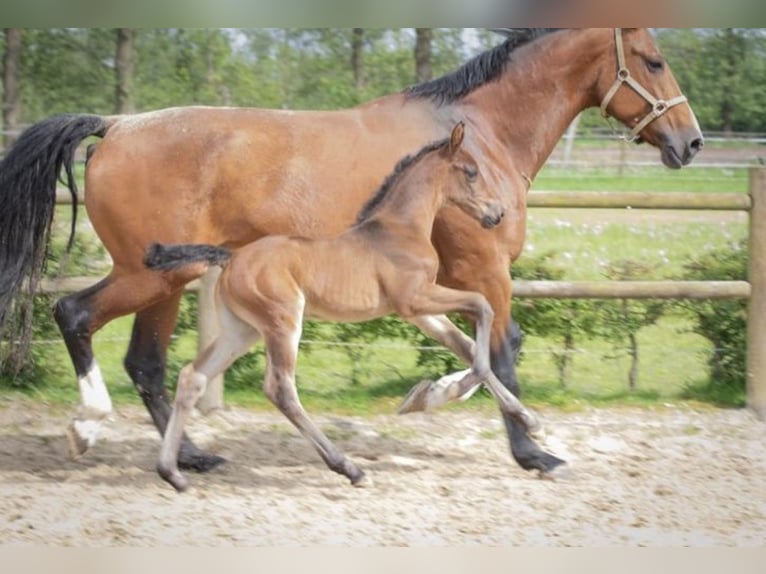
[{"x": 661, "y": 477}]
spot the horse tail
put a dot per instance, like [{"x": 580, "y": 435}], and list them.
[
  {"x": 170, "y": 257},
  {"x": 28, "y": 176}
]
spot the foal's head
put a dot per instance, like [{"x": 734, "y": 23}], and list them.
[{"x": 463, "y": 184}]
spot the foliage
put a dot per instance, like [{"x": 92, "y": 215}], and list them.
[
  {"x": 564, "y": 321},
  {"x": 723, "y": 73},
  {"x": 622, "y": 319},
  {"x": 40, "y": 365},
  {"x": 722, "y": 322}
]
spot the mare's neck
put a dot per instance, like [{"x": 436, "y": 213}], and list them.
[{"x": 544, "y": 87}]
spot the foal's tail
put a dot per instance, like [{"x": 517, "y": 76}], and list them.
[
  {"x": 171, "y": 257},
  {"x": 28, "y": 176}
]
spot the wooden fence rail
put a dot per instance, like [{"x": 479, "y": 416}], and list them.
[{"x": 753, "y": 290}]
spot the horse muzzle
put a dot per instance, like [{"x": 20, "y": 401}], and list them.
[
  {"x": 492, "y": 218},
  {"x": 680, "y": 151}
]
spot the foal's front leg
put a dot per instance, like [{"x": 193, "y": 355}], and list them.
[
  {"x": 435, "y": 299},
  {"x": 428, "y": 395}
]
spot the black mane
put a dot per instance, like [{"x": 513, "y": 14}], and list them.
[
  {"x": 402, "y": 165},
  {"x": 478, "y": 71}
]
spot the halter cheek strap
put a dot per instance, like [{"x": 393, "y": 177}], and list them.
[{"x": 659, "y": 107}]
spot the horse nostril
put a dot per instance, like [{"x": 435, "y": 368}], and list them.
[{"x": 697, "y": 145}]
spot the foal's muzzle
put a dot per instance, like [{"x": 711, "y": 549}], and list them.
[{"x": 492, "y": 218}]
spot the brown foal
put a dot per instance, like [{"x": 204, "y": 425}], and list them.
[{"x": 383, "y": 264}]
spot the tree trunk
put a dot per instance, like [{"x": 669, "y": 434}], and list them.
[
  {"x": 733, "y": 60},
  {"x": 423, "y": 40},
  {"x": 11, "y": 84},
  {"x": 125, "y": 63},
  {"x": 633, "y": 352},
  {"x": 357, "y": 57}
]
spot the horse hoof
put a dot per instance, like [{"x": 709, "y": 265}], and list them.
[
  {"x": 559, "y": 473},
  {"x": 199, "y": 461},
  {"x": 416, "y": 399},
  {"x": 363, "y": 481},
  {"x": 173, "y": 477},
  {"x": 78, "y": 446}
]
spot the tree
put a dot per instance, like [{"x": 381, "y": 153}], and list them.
[
  {"x": 423, "y": 40},
  {"x": 124, "y": 66},
  {"x": 357, "y": 57},
  {"x": 623, "y": 318},
  {"x": 723, "y": 73},
  {"x": 11, "y": 83},
  {"x": 565, "y": 321}
]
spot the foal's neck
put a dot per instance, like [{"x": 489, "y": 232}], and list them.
[{"x": 412, "y": 204}]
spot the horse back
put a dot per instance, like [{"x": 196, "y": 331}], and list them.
[{"x": 232, "y": 175}]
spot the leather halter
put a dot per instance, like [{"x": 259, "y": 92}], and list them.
[{"x": 659, "y": 107}]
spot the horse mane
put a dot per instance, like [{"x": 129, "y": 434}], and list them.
[
  {"x": 402, "y": 165},
  {"x": 481, "y": 69}
]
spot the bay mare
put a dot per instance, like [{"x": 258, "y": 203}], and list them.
[
  {"x": 383, "y": 264},
  {"x": 227, "y": 176}
]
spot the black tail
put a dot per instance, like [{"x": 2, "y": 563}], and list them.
[
  {"x": 28, "y": 176},
  {"x": 170, "y": 257}
]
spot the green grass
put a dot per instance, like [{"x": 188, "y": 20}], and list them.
[{"x": 644, "y": 178}]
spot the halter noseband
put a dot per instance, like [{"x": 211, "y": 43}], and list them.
[{"x": 659, "y": 107}]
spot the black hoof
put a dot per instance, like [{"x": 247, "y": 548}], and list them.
[
  {"x": 543, "y": 462},
  {"x": 560, "y": 473},
  {"x": 191, "y": 458}
]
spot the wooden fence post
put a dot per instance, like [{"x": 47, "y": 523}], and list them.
[
  {"x": 756, "y": 318},
  {"x": 207, "y": 329}
]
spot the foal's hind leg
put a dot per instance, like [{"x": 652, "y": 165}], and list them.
[
  {"x": 235, "y": 339},
  {"x": 279, "y": 387}
]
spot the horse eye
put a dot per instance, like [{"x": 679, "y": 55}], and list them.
[
  {"x": 471, "y": 173},
  {"x": 654, "y": 65}
]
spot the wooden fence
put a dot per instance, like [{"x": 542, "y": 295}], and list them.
[{"x": 753, "y": 290}]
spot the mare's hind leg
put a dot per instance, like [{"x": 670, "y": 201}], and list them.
[
  {"x": 145, "y": 363},
  {"x": 235, "y": 339},
  {"x": 279, "y": 387},
  {"x": 75, "y": 320},
  {"x": 80, "y": 315}
]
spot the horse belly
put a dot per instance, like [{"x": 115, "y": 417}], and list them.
[{"x": 346, "y": 302}]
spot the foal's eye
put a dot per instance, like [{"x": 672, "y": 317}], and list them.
[
  {"x": 471, "y": 173},
  {"x": 654, "y": 65}
]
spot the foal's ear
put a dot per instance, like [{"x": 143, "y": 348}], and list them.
[{"x": 457, "y": 137}]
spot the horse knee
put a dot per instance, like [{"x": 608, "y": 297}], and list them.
[
  {"x": 191, "y": 386},
  {"x": 147, "y": 373}
]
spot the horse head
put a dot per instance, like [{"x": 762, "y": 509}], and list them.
[
  {"x": 639, "y": 89},
  {"x": 467, "y": 187}
]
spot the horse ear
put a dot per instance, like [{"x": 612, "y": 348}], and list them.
[{"x": 457, "y": 137}]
